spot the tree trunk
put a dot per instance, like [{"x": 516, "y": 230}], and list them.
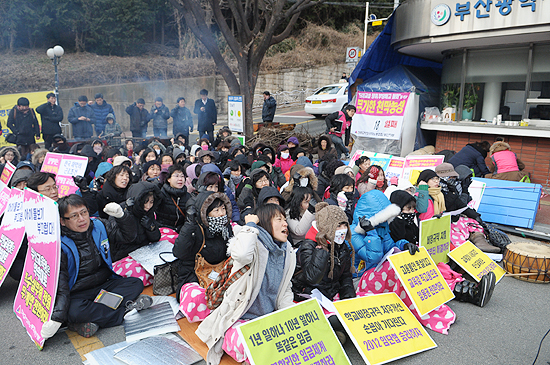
[
  {"x": 162, "y": 30},
  {"x": 177, "y": 16}
]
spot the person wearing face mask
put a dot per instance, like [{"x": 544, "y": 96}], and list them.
[
  {"x": 174, "y": 197},
  {"x": 208, "y": 232},
  {"x": 342, "y": 194},
  {"x": 405, "y": 225},
  {"x": 324, "y": 259},
  {"x": 301, "y": 176},
  {"x": 283, "y": 160},
  {"x": 158, "y": 147}
]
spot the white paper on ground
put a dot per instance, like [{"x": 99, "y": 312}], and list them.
[
  {"x": 148, "y": 256},
  {"x": 496, "y": 257},
  {"x": 171, "y": 300},
  {"x": 158, "y": 351},
  {"x": 153, "y": 321}
]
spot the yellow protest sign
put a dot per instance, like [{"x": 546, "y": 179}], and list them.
[
  {"x": 435, "y": 235},
  {"x": 422, "y": 280},
  {"x": 475, "y": 262},
  {"x": 300, "y": 334},
  {"x": 7, "y": 102},
  {"x": 382, "y": 328}
]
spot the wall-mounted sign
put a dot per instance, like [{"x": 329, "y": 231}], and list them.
[{"x": 441, "y": 14}]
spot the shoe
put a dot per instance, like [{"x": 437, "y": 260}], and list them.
[
  {"x": 479, "y": 240},
  {"x": 341, "y": 336},
  {"x": 142, "y": 302},
  {"x": 476, "y": 293},
  {"x": 86, "y": 330}
]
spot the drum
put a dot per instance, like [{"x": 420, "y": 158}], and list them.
[{"x": 522, "y": 258}]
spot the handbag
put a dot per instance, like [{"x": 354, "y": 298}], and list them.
[
  {"x": 10, "y": 138},
  {"x": 165, "y": 280},
  {"x": 217, "y": 288},
  {"x": 206, "y": 272}
]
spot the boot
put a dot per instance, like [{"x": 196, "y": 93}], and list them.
[
  {"x": 476, "y": 293},
  {"x": 86, "y": 330},
  {"x": 478, "y": 239}
]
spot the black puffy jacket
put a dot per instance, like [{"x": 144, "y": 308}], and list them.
[
  {"x": 170, "y": 212},
  {"x": 92, "y": 271},
  {"x": 146, "y": 234},
  {"x": 51, "y": 116},
  {"x": 194, "y": 233},
  {"x": 313, "y": 266},
  {"x": 109, "y": 194}
]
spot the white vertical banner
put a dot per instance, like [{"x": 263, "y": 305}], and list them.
[{"x": 235, "y": 114}]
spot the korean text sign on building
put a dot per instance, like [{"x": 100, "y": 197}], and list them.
[
  {"x": 379, "y": 115},
  {"x": 299, "y": 334},
  {"x": 421, "y": 279},
  {"x": 35, "y": 297},
  {"x": 382, "y": 327},
  {"x": 475, "y": 262},
  {"x": 435, "y": 235}
]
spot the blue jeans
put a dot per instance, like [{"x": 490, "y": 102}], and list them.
[
  {"x": 339, "y": 145},
  {"x": 160, "y": 132}
]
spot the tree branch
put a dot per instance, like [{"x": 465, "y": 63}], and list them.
[{"x": 226, "y": 31}]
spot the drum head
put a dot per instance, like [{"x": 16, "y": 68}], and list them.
[{"x": 531, "y": 249}]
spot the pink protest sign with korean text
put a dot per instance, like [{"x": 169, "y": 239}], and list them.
[
  {"x": 11, "y": 232},
  {"x": 72, "y": 165},
  {"x": 379, "y": 115},
  {"x": 51, "y": 162},
  {"x": 5, "y": 191},
  {"x": 66, "y": 185},
  {"x": 35, "y": 297}
]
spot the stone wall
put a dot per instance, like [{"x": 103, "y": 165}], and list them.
[{"x": 299, "y": 82}]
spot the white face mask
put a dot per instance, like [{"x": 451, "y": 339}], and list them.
[
  {"x": 284, "y": 155},
  {"x": 303, "y": 181},
  {"x": 340, "y": 236}
]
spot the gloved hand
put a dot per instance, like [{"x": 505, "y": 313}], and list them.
[
  {"x": 49, "y": 329},
  {"x": 148, "y": 223},
  {"x": 81, "y": 182},
  {"x": 365, "y": 224},
  {"x": 411, "y": 247},
  {"x": 114, "y": 210},
  {"x": 342, "y": 200},
  {"x": 438, "y": 215}
]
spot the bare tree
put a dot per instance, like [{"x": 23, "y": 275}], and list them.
[{"x": 250, "y": 29}]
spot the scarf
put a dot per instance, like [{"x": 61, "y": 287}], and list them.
[
  {"x": 439, "y": 200},
  {"x": 218, "y": 226}
]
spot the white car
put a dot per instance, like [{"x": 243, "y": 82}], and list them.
[{"x": 327, "y": 100}]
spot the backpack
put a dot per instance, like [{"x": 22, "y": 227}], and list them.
[{"x": 216, "y": 290}]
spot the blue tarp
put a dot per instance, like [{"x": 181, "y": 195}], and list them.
[{"x": 381, "y": 57}]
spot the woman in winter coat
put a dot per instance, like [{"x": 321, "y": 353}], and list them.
[
  {"x": 370, "y": 235},
  {"x": 372, "y": 178},
  {"x": 210, "y": 229},
  {"x": 38, "y": 158},
  {"x": 174, "y": 197},
  {"x": 301, "y": 176},
  {"x": 266, "y": 287},
  {"x": 234, "y": 213},
  {"x": 342, "y": 194},
  {"x": 10, "y": 154},
  {"x": 324, "y": 146},
  {"x": 115, "y": 188},
  {"x": 473, "y": 156},
  {"x": 259, "y": 178},
  {"x": 283, "y": 160},
  {"x": 504, "y": 164},
  {"x": 324, "y": 258},
  {"x": 300, "y": 214},
  {"x": 151, "y": 171},
  {"x": 143, "y": 200}
]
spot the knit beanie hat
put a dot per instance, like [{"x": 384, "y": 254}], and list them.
[
  {"x": 426, "y": 175},
  {"x": 401, "y": 198},
  {"x": 328, "y": 218},
  {"x": 147, "y": 165},
  {"x": 293, "y": 140}
]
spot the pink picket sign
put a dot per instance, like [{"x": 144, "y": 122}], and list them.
[
  {"x": 72, "y": 165},
  {"x": 5, "y": 191},
  {"x": 7, "y": 173},
  {"x": 11, "y": 232},
  {"x": 51, "y": 162},
  {"x": 66, "y": 185},
  {"x": 37, "y": 290}
]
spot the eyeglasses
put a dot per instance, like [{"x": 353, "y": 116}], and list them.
[
  {"x": 48, "y": 189},
  {"x": 74, "y": 217}
]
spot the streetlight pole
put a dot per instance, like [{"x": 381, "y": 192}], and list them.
[{"x": 55, "y": 55}]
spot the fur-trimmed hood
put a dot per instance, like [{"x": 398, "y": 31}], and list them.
[
  {"x": 304, "y": 172},
  {"x": 160, "y": 145},
  {"x": 204, "y": 200},
  {"x": 17, "y": 155},
  {"x": 324, "y": 137},
  {"x": 499, "y": 146},
  {"x": 374, "y": 206}
]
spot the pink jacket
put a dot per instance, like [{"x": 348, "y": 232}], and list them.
[
  {"x": 505, "y": 161},
  {"x": 345, "y": 125},
  {"x": 284, "y": 164}
]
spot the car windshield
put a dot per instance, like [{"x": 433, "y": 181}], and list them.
[{"x": 328, "y": 90}]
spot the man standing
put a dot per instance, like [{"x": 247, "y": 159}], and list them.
[
  {"x": 82, "y": 116},
  {"x": 268, "y": 110},
  {"x": 101, "y": 109},
  {"x": 208, "y": 114},
  {"x": 139, "y": 117},
  {"x": 182, "y": 119},
  {"x": 51, "y": 115},
  {"x": 160, "y": 115},
  {"x": 23, "y": 123},
  {"x": 86, "y": 269}
]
